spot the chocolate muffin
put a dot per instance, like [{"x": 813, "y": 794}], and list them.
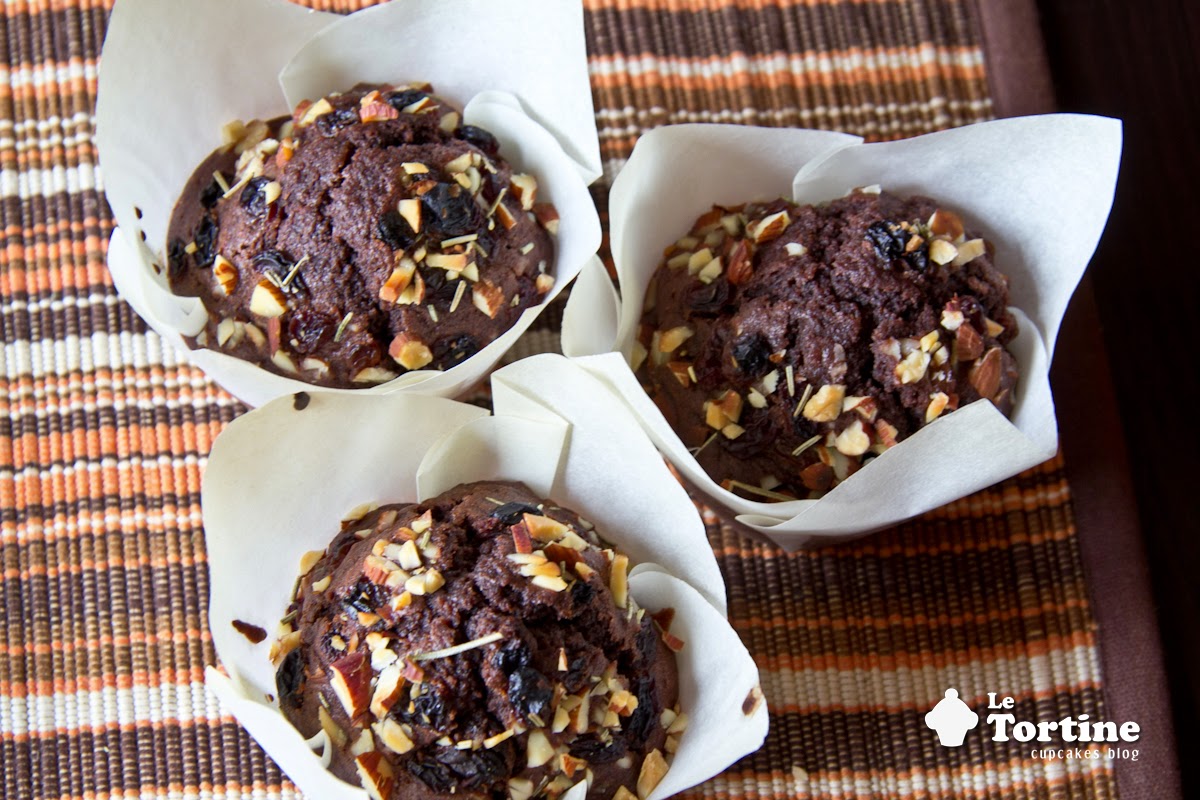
[
  {"x": 369, "y": 234},
  {"x": 480, "y": 644},
  {"x": 788, "y": 344}
]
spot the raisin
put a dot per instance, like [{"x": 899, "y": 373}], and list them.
[
  {"x": 439, "y": 289},
  {"x": 254, "y": 198},
  {"x": 395, "y": 231},
  {"x": 213, "y": 192},
  {"x": 329, "y": 124},
  {"x": 280, "y": 266},
  {"x": 918, "y": 259},
  {"x": 289, "y": 680},
  {"x": 451, "y": 211},
  {"x": 708, "y": 299},
  {"x": 430, "y": 709},
  {"x": 366, "y": 597},
  {"x": 308, "y": 330},
  {"x": 641, "y": 721},
  {"x": 364, "y": 356},
  {"x": 176, "y": 258},
  {"x": 403, "y": 99},
  {"x": 479, "y": 137},
  {"x": 206, "y": 242},
  {"x": 888, "y": 239},
  {"x": 511, "y": 513},
  {"x": 757, "y": 437},
  {"x": 582, "y": 593},
  {"x": 529, "y": 691},
  {"x": 512, "y": 658},
  {"x": 752, "y": 353},
  {"x": 455, "y": 350},
  {"x": 592, "y": 749},
  {"x": 448, "y": 767}
]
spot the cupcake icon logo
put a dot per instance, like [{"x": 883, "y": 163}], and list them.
[{"x": 951, "y": 718}]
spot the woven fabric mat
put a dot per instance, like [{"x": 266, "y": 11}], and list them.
[{"x": 104, "y": 434}]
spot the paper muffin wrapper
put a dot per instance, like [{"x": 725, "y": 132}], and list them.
[
  {"x": 1039, "y": 188},
  {"x": 172, "y": 74},
  {"x": 280, "y": 479}
]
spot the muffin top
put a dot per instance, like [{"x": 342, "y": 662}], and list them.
[
  {"x": 368, "y": 235},
  {"x": 481, "y": 644},
  {"x": 786, "y": 344}
]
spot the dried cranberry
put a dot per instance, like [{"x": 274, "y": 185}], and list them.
[
  {"x": 479, "y": 137},
  {"x": 176, "y": 258},
  {"x": 206, "y": 242},
  {"x": 254, "y": 198},
  {"x": 308, "y": 330},
  {"x": 329, "y": 124},
  {"x": 592, "y": 749},
  {"x": 403, "y": 99},
  {"x": 213, "y": 192},
  {"x": 448, "y": 767},
  {"x": 529, "y": 691},
  {"x": 280, "y": 265},
  {"x": 708, "y": 298},
  {"x": 452, "y": 211},
  {"x": 395, "y": 231},
  {"x": 511, "y": 513},
  {"x": 752, "y": 354},
  {"x": 289, "y": 679},
  {"x": 454, "y": 350}
]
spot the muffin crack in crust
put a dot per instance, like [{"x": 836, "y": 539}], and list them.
[
  {"x": 788, "y": 344},
  {"x": 368, "y": 235},
  {"x": 482, "y": 643}
]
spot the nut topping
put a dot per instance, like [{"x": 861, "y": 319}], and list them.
[{"x": 826, "y": 404}]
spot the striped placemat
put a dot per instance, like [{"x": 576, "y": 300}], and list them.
[{"x": 103, "y": 436}]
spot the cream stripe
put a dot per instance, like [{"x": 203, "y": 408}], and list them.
[
  {"x": 87, "y": 710},
  {"x": 826, "y": 63},
  {"x": 49, "y": 72},
  {"x": 923, "y": 687}
]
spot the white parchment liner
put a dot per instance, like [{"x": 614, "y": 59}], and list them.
[
  {"x": 279, "y": 480},
  {"x": 1039, "y": 188},
  {"x": 172, "y": 73}
]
